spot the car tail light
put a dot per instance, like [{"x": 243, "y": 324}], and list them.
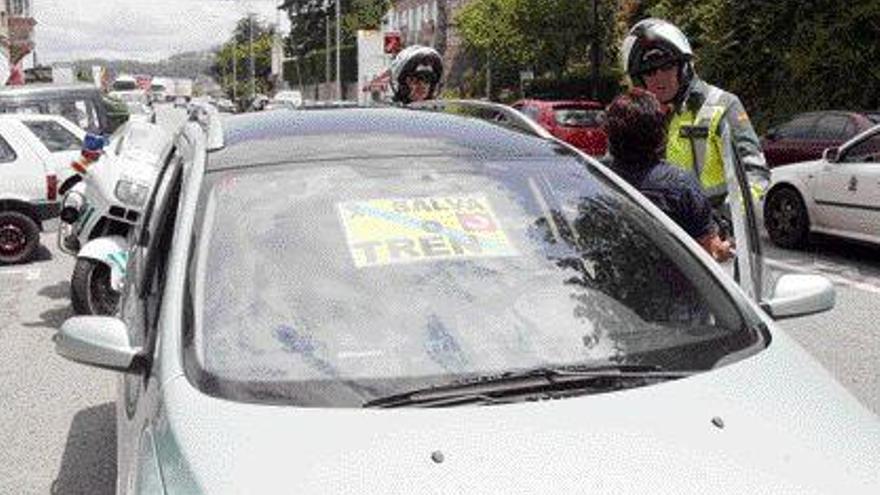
[{"x": 52, "y": 187}]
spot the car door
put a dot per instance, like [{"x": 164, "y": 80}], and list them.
[
  {"x": 847, "y": 192},
  {"x": 23, "y": 175},
  {"x": 141, "y": 304}
]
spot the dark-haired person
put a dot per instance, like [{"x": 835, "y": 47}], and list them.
[{"x": 636, "y": 126}]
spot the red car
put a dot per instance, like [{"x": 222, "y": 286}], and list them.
[
  {"x": 806, "y": 135},
  {"x": 577, "y": 122}
]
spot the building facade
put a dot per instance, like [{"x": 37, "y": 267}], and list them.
[
  {"x": 21, "y": 29},
  {"x": 430, "y": 23}
]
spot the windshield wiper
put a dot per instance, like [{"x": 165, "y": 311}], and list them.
[{"x": 541, "y": 380}]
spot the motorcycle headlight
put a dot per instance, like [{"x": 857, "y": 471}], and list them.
[{"x": 132, "y": 193}]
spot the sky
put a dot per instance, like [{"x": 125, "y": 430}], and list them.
[{"x": 146, "y": 30}]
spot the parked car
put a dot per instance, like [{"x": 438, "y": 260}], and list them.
[
  {"x": 294, "y": 97},
  {"x": 292, "y": 322},
  {"x": 873, "y": 116},
  {"x": 838, "y": 194},
  {"x": 34, "y": 150},
  {"x": 280, "y": 105},
  {"x": 576, "y": 122},
  {"x": 82, "y": 104},
  {"x": 140, "y": 112},
  {"x": 806, "y": 135}
]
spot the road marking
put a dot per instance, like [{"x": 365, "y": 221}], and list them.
[
  {"x": 29, "y": 273},
  {"x": 821, "y": 268}
]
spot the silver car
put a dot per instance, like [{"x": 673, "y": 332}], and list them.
[{"x": 319, "y": 302}]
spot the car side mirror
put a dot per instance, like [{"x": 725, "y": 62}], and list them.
[
  {"x": 100, "y": 341},
  {"x": 831, "y": 155},
  {"x": 800, "y": 295}
]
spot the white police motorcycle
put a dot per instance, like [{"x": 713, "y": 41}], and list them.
[{"x": 101, "y": 206}]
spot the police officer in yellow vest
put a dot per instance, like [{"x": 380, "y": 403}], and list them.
[
  {"x": 709, "y": 132},
  {"x": 707, "y": 125}
]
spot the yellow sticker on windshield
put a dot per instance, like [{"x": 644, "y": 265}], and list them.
[{"x": 386, "y": 231}]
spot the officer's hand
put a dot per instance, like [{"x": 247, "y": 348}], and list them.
[{"x": 720, "y": 250}]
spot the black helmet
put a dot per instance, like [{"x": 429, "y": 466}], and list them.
[{"x": 419, "y": 61}]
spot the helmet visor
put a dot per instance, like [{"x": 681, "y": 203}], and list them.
[
  {"x": 654, "y": 59},
  {"x": 425, "y": 73}
]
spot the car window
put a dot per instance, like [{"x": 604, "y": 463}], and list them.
[
  {"x": 578, "y": 117},
  {"x": 831, "y": 127},
  {"x": 867, "y": 150},
  {"x": 799, "y": 128},
  {"x": 328, "y": 285},
  {"x": 7, "y": 154},
  {"x": 850, "y": 129},
  {"x": 53, "y": 135},
  {"x": 81, "y": 112}
]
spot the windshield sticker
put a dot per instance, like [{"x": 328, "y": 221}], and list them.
[{"x": 386, "y": 231}]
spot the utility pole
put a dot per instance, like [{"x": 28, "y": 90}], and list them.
[
  {"x": 595, "y": 53},
  {"x": 338, "y": 74},
  {"x": 234, "y": 71},
  {"x": 327, "y": 43},
  {"x": 253, "y": 65}
]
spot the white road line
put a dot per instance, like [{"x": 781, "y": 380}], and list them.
[{"x": 818, "y": 268}]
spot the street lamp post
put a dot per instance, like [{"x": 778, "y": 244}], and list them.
[
  {"x": 327, "y": 44},
  {"x": 338, "y": 75}
]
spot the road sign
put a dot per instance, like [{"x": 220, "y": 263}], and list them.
[{"x": 392, "y": 42}]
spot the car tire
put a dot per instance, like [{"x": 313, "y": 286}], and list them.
[
  {"x": 786, "y": 219},
  {"x": 90, "y": 290},
  {"x": 19, "y": 237}
]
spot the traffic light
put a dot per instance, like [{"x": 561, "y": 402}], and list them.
[{"x": 392, "y": 42}]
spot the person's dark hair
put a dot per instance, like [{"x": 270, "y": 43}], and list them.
[{"x": 636, "y": 128}]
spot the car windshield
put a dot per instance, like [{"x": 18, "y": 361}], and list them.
[
  {"x": 578, "y": 116},
  {"x": 334, "y": 283}
]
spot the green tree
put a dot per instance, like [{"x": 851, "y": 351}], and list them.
[
  {"x": 782, "y": 56},
  {"x": 237, "y": 51},
  {"x": 548, "y": 36}
]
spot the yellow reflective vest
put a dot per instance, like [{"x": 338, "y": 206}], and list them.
[{"x": 695, "y": 143}]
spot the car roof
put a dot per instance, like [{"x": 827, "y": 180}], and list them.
[
  {"x": 30, "y": 116},
  {"x": 561, "y": 103},
  {"x": 47, "y": 89},
  {"x": 296, "y": 136}
]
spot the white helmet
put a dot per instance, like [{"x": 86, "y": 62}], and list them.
[
  {"x": 652, "y": 43},
  {"x": 423, "y": 61}
]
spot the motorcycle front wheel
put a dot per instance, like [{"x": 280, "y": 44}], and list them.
[{"x": 90, "y": 289}]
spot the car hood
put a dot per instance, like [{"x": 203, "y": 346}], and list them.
[
  {"x": 792, "y": 171},
  {"x": 775, "y": 422}
]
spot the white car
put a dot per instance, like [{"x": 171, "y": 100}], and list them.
[
  {"x": 294, "y": 97},
  {"x": 838, "y": 194},
  {"x": 35, "y": 156},
  {"x": 419, "y": 302}
]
